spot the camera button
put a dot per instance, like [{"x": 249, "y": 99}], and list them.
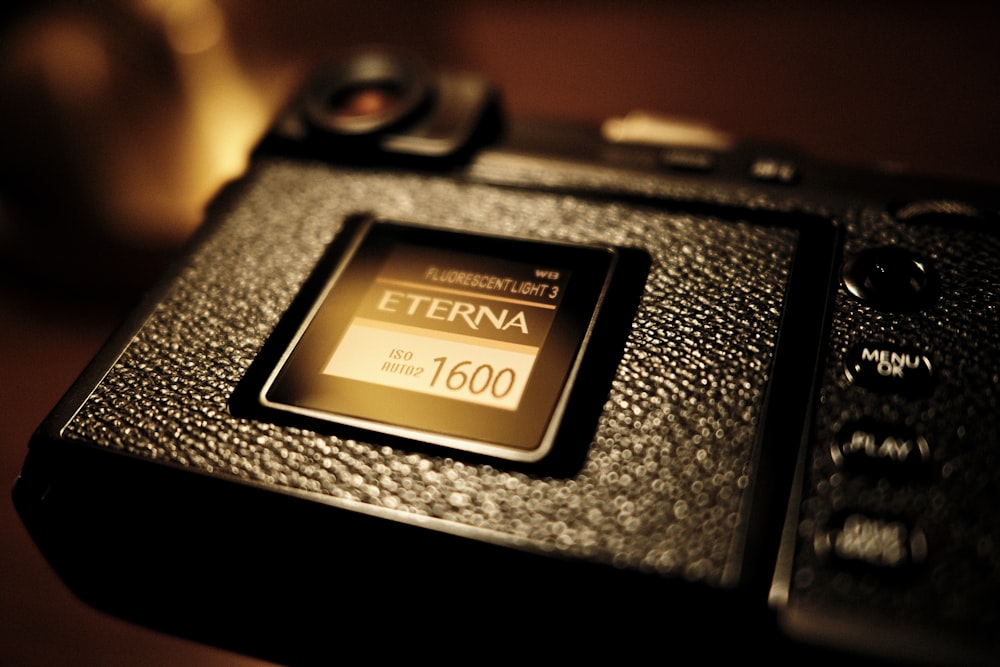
[
  {"x": 878, "y": 447},
  {"x": 888, "y": 278},
  {"x": 774, "y": 170},
  {"x": 858, "y": 537},
  {"x": 688, "y": 159},
  {"x": 890, "y": 369},
  {"x": 938, "y": 212}
]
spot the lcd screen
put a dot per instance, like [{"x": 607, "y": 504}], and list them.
[{"x": 457, "y": 339}]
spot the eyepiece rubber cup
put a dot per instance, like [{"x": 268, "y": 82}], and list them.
[{"x": 366, "y": 94}]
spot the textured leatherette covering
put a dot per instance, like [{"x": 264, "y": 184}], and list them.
[
  {"x": 664, "y": 480},
  {"x": 948, "y": 500}
]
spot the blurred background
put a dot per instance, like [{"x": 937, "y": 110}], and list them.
[{"x": 120, "y": 120}]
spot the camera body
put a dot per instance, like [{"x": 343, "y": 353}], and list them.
[{"x": 670, "y": 396}]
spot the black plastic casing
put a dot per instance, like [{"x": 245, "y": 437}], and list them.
[{"x": 701, "y": 509}]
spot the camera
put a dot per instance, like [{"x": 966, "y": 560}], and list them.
[{"x": 433, "y": 380}]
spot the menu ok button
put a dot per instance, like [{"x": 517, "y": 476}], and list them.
[{"x": 889, "y": 368}]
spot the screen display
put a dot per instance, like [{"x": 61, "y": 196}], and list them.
[
  {"x": 453, "y": 325},
  {"x": 461, "y": 340}
]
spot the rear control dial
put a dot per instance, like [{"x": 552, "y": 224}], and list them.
[{"x": 889, "y": 278}]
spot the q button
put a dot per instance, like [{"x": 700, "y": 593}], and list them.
[
  {"x": 889, "y": 369},
  {"x": 889, "y": 278}
]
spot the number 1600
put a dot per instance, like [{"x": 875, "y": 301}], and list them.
[{"x": 461, "y": 376}]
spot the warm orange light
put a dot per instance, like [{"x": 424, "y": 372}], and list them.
[
  {"x": 142, "y": 110},
  {"x": 191, "y": 26},
  {"x": 73, "y": 62},
  {"x": 221, "y": 111}
]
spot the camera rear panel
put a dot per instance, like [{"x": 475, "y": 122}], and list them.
[
  {"x": 742, "y": 338},
  {"x": 664, "y": 483},
  {"x": 894, "y": 541}
]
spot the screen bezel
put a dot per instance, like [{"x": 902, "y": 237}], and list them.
[{"x": 526, "y": 433}]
